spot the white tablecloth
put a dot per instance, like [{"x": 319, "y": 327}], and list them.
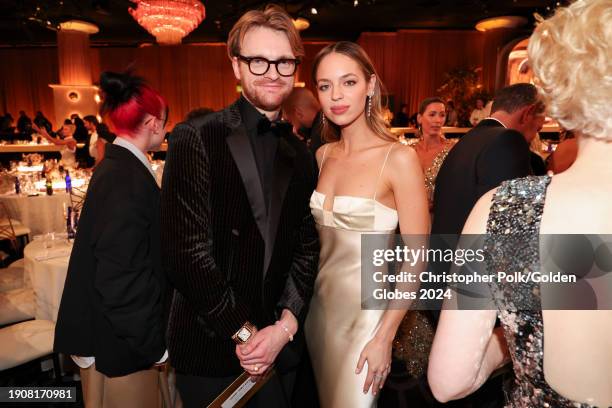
[
  {"x": 47, "y": 275},
  {"x": 41, "y": 214}
]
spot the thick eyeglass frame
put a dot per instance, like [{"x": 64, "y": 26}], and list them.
[{"x": 248, "y": 60}]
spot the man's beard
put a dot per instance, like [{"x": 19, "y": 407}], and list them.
[{"x": 258, "y": 98}]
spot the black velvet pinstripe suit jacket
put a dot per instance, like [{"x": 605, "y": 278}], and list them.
[{"x": 229, "y": 260}]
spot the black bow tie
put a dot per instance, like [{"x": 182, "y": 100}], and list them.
[{"x": 277, "y": 126}]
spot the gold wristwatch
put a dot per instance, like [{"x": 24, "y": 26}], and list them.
[{"x": 244, "y": 333}]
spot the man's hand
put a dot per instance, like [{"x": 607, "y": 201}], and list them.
[{"x": 259, "y": 353}]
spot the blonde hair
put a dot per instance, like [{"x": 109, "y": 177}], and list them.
[
  {"x": 570, "y": 55},
  {"x": 272, "y": 17},
  {"x": 376, "y": 121}
]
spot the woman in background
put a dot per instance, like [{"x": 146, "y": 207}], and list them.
[
  {"x": 432, "y": 147},
  {"x": 64, "y": 139}
]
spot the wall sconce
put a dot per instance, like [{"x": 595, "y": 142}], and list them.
[{"x": 73, "y": 96}]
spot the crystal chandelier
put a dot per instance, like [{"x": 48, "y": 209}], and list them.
[{"x": 168, "y": 20}]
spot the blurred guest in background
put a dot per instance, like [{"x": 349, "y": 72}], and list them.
[
  {"x": 6, "y": 122},
  {"x": 64, "y": 139},
  {"x": 42, "y": 122},
  {"x": 479, "y": 113},
  {"x": 96, "y": 144},
  {"x": 81, "y": 135},
  {"x": 24, "y": 125},
  {"x": 387, "y": 116},
  {"x": 494, "y": 151},
  {"x": 302, "y": 109},
  {"x": 401, "y": 117},
  {"x": 412, "y": 120},
  {"x": 487, "y": 109},
  {"x": 198, "y": 113},
  {"x": 111, "y": 318},
  {"x": 432, "y": 147},
  {"x": 452, "y": 119},
  {"x": 7, "y": 131},
  {"x": 565, "y": 153},
  {"x": 560, "y": 357},
  {"x": 538, "y": 167}
]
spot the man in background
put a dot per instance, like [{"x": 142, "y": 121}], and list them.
[
  {"x": 494, "y": 151},
  {"x": 303, "y": 111},
  {"x": 479, "y": 113},
  {"x": 401, "y": 117}
]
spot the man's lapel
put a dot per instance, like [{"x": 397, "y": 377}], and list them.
[
  {"x": 240, "y": 148},
  {"x": 283, "y": 170}
]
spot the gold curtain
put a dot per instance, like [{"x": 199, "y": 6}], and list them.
[
  {"x": 73, "y": 57},
  {"x": 412, "y": 63},
  {"x": 25, "y": 75}
]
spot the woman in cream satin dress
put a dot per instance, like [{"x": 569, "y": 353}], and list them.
[{"x": 368, "y": 184}]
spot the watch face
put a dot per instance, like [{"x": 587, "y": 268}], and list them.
[{"x": 244, "y": 334}]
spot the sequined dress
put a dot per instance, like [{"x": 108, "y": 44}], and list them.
[
  {"x": 515, "y": 215},
  {"x": 432, "y": 171},
  {"x": 415, "y": 334}
]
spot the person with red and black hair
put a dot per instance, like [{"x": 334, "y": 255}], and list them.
[{"x": 111, "y": 317}]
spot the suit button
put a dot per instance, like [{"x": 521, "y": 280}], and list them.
[{"x": 235, "y": 232}]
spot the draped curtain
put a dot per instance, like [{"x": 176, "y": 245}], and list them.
[
  {"x": 74, "y": 57},
  {"x": 411, "y": 63},
  {"x": 25, "y": 75}
]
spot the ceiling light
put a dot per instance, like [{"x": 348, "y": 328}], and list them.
[
  {"x": 500, "y": 22},
  {"x": 78, "y": 25},
  {"x": 313, "y": 11},
  {"x": 301, "y": 23},
  {"x": 355, "y": 3},
  {"x": 168, "y": 20}
]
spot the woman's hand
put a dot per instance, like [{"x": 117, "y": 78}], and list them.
[
  {"x": 40, "y": 130},
  {"x": 377, "y": 353}
]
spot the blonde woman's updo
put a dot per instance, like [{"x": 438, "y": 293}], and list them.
[{"x": 571, "y": 56}]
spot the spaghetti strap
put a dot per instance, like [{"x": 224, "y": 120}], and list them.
[
  {"x": 323, "y": 157},
  {"x": 382, "y": 169}
]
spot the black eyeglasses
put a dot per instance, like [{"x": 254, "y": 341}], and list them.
[{"x": 259, "y": 66}]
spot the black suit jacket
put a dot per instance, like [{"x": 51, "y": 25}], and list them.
[
  {"x": 112, "y": 307},
  {"x": 229, "y": 260},
  {"x": 479, "y": 162}
]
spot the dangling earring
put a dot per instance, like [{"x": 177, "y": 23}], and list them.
[
  {"x": 323, "y": 119},
  {"x": 369, "y": 105}
]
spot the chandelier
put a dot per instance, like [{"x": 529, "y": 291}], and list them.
[{"x": 168, "y": 20}]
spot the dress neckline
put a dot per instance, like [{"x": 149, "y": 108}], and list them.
[{"x": 353, "y": 197}]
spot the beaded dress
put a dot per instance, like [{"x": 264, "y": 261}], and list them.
[{"x": 515, "y": 215}]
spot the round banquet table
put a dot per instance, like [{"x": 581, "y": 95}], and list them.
[
  {"x": 47, "y": 269},
  {"x": 41, "y": 214}
]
